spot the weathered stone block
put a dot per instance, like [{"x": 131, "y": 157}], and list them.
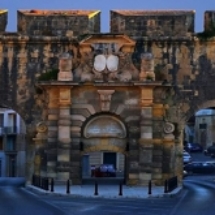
[{"x": 57, "y": 23}]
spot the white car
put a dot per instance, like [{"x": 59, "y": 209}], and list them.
[{"x": 186, "y": 158}]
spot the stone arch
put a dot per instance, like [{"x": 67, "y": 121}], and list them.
[
  {"x": 203, "y": 105},
  {"x": 206, "y": 104},
  {"x": 98, "y": 143},
  {"x": 104, "y": 132}
]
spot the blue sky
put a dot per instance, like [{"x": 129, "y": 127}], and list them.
[{"x": 105, "y": 6}]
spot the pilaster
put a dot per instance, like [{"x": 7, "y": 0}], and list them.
[
  {"x": 146, "y": 135},
  {"x": 52, "y": 122},
  {"x": 64, "y": 139}
]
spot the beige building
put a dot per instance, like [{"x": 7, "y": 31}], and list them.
[
  {"x": 12, "y": 144},
  {"x": 205, "y": 127}
]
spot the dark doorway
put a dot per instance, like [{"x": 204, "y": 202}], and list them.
[
  {"x": 12, "y": 166},
  {"x": 85, "y": 165},
  {"x": 109, "y": 158}
]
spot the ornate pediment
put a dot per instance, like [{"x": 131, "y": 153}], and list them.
[
  {"x": 116, "y": 41},
  {"x": 106, "y": 57}
]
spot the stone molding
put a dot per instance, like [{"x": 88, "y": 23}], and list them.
[{"x": 105, "y": 99}]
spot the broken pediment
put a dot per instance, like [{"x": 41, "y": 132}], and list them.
[
  {"x": 106, "y": 57},
  {"x": 105, "y": 41}
]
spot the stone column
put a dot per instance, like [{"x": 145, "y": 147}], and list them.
[
  {"x": 146, "y": 135},
  {"x": 161, "y": 162},
  {"x": 64, "y": 139},
  {"x": 52, "y": 123},
  {"x": 178, "y": 149}
]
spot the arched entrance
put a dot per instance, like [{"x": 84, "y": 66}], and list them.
[{"x": 104, "y": 144}]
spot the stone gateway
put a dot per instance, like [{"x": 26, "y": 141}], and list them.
[{"x": 122, "y": 96}]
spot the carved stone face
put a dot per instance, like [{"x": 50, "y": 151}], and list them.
[{"x": 101, "y": 62}]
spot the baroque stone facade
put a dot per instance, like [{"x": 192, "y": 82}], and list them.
[{"x": 67, "y": 86}]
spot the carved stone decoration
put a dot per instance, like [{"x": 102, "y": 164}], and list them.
[
  {"x": 112, "y": 63},
  {"x": 100, "y": 63},
  {"x": 168, "y": 128},
  {"x": 127, "y": 70},
  {"x": 147, "y": 67},
  {"x": 106, "y": 59},
  {"x": 105, "y": 126},
  {"x": 159, "y": 94},
  {"x": 41, "y": 127},
  {"x": 65, "y": 67},
  {"x": 105, "y": 99}
]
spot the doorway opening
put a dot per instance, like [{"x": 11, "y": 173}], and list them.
[{"x": 103, "y": 166}]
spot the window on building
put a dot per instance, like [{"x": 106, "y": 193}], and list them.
[
  {"x": 1, "y": 120},
  {"x": 1, "y": 143},
  {"x": 11, "y": 144},
  {"x": 203, "y": 126}
]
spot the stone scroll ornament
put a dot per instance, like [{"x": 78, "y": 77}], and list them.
[
  {"x": 65, "y": 67},
  {"x": 41, "y": 127},
  {"x": 168, "y": 128}
]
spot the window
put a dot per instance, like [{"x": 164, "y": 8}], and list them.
[
  {"x": 11, "y": 144},
  {"x": 1, "y": 143},
  {"x": 203, "y": 126},
  {"x": 1, "y": 120}
]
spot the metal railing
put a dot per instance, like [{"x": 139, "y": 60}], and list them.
[
  {"x": 170, "y": 184},
  {"x": 41, "y": 182},
  {"x": 10, "y": 130}
]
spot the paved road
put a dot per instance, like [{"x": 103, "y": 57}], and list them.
[
  {"x": 15, "y": 201},
  {"x": 87, "y": 206},
  {"x": 197, "y": 198}
]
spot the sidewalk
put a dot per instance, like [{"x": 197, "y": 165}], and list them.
[{"x": 108, "y": 191}]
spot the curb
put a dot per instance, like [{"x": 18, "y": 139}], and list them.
[{"x": 36, "y": 190}]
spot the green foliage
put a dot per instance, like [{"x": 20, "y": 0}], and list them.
[
  {"x": 49, "y": 75},
  {"x": 83, "y": 36},
  {"x": 207, "y": 34}
]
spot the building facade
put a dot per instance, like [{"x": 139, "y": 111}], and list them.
[
  {"x": 12, "y": 144},
  {"x": 204, "y": 127},
  {"x": 122, "y": 97}
]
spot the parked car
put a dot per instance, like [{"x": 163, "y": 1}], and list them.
[
  {"x": 186, "y": 157},
  {"x": 200, "y": 167},
  {"x": 105, "y": 170},
  {"x": 210, "y": 151},
  {"x": 185, "y": 173},
  {"x": 193, "y": 147}
]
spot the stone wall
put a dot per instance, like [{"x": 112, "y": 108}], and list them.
[
  {"x": 186, "y": 63},
  {"x": 58, "y": 23},
  {"x": 153, "y": 24},
  {"x": 209, "y": 20},
  {"x": 3, "y": 20}
]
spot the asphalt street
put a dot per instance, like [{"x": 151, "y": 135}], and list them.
[
  {"x": 16, "y": 201},
  {"x": 197, "y": 198}
]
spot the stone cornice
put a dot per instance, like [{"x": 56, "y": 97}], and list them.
[
  {"x": 102, "y": 84},
  {"x": 19, "y": 38}
]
